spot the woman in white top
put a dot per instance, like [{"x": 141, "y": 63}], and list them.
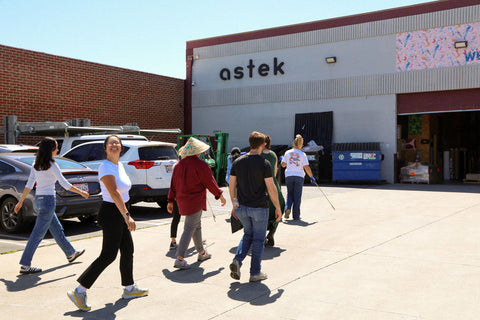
[
  {"x": 45, "y": 172},
  {"x": 295, "y": 161},
  {"x": 116, "y": 224}
]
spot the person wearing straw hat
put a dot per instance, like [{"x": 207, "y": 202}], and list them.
[{"x": 191, "y": 178}]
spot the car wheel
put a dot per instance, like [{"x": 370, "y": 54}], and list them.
[{"x": 10, "y": 221}]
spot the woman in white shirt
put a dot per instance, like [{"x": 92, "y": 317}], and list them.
[
  {"x": 116, "y": 224},
  {"x": 295, "y": 161},
  {"x": 45, "y": 172}
]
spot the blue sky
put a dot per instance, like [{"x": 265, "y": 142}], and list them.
[{"x": 151, "y": 35}]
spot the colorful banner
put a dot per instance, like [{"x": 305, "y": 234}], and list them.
[{"x": 434, "y": 48}]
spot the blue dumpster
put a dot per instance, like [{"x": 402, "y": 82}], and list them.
[{"x": 356, "y": 161}]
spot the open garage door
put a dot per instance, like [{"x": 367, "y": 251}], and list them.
[{"x": 441, "y": 130}]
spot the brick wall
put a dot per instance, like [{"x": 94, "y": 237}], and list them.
[{"x": 39, "y": 87}]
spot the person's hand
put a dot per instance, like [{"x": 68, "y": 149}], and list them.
[
  {"x": 130, "y": 223},
  {"x": 85, "y": 194},
  {"x": 278, "y": 214},
  {"x": 313, "y": 180},
  {"x": 222, "y": 199},
  {"x": 233, "y": 213},
  {"x": 236, "y": 204},
  {"x": 170, "y": 207},
  {"x": 18, "y": 206}
]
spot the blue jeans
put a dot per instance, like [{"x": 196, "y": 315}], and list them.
[
  {"x": 44, "y": 206},
  {"x": 294, "y": 195},
  {"x": 254, "y": 221}
]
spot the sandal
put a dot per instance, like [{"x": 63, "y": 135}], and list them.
[{"x": 29, "y": 270}]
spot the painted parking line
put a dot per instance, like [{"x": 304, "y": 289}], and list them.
[
  {"x": 13, "y": 237},
  {"x": 145, "y": 222},
  {"x": 43, "y": 243}
]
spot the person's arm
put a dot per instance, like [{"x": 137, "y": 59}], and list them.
[
  {"x": 64, "y": 182},
  {"x": 26, "y": 191},
  {"x": 171, "y": 192},
  {"x": 232, "y": 189},
  {"x": 210, "y": 183},
  {"x": 111, "y": 185},
  {"x": 272, "y": 192},
  {"x": 19, "y": 204},
  {"x": 284, "y": 161},
  {"x": 275, "y": 166},
  {"x": 308, "y": 170}
]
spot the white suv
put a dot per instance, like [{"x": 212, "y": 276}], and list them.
[{"x": 149, "y": 164}]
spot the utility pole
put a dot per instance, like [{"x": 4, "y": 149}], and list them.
[{"x": 11, "y": 129}]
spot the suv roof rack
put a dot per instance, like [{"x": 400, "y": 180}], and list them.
[{"x": 64, "y": 129}]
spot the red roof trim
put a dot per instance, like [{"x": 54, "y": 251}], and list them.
[{"x": 335, "y": 22}]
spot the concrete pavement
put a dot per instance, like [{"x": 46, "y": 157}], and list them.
[{"x": 388, "y": 252}]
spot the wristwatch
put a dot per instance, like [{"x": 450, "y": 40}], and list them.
[{"x": 126, "y": 214}]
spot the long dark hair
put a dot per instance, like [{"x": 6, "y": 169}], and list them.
[{"x": 44, "y": 155}]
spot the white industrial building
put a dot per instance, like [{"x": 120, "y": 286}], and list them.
[{"x": 408, "y": 78}]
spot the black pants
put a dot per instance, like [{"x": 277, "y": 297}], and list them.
[
  {"x": 175, "y": 221},
  {"x": 116, "y": 236}
]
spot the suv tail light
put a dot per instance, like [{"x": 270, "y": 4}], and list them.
[{"x": 142, "y": 164}]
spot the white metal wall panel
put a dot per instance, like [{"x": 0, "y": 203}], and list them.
[
  {"x": 400, "y": 82},
  {"x": 357, "y": 119},
  {"x": 364, "y": 30}
]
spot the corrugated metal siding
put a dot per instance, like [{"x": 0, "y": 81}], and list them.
[
  {"x": 364, "y": 30},
  {"x": 440, "y": 79},
  {"x": 401, "y": 82}
]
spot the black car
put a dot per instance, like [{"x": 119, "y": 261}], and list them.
[{"x": 14, "y": 172}]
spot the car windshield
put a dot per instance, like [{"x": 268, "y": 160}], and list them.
[
  {"x": 62, "y": 163},
  {"x": 157, "y": 153}
]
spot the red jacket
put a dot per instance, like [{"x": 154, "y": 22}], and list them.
[{"x": 190, "y": 180}]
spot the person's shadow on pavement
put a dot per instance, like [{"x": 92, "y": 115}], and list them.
[
  {"x": 27, "y": 281},
  {"x": 105, "y": 313},
  {"x": 268, "y": 253},
  {"x": 193, "y": 275},
  {"x": 173, "y": 253},
  {"x": 257, "y": 294},
  {"x": 272, "y": 252},
  {"x": 299, "y": 223}
]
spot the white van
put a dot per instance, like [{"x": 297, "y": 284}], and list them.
[{"x": 67, "y": 143}]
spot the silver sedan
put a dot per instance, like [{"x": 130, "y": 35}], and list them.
[{"x": 14, "y": 172}]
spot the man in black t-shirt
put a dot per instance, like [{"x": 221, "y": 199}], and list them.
[{"x": 250, "y": 179}]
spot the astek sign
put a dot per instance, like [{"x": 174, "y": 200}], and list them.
[{"x": 263, "y": 70}]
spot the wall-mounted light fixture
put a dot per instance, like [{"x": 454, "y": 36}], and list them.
[
  {"x": 331, "y": 59},
  {"x": 193, "y": 57},
  {"x": 460, "y": 44}
]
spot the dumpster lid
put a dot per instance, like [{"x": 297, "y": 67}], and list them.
[{"x": 356, "y": 146}]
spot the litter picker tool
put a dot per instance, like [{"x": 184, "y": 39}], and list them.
[
  {"x": 325, "y": 196},
  {"x": 211, "y": 209}
]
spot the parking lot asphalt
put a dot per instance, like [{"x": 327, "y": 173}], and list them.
[{"x": 386, "y": 252}]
